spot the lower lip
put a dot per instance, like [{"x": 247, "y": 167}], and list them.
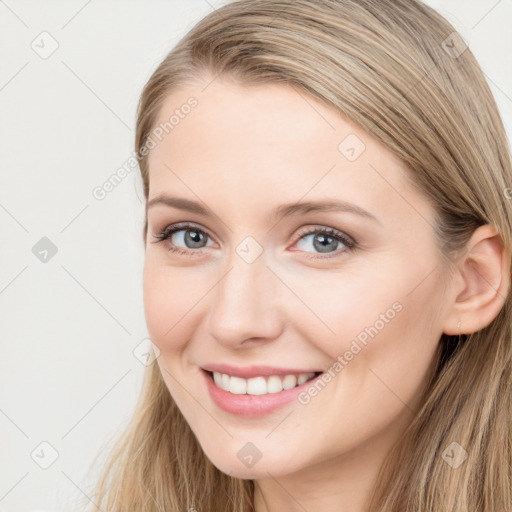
[{"x": 252, "y": 405}]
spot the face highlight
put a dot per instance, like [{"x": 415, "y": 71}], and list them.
[{"x": 240, "y": 270}]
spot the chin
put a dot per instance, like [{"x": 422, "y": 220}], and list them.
[
  {"x": 236, "y": 469},
  {"x": 248, "y": 463}
]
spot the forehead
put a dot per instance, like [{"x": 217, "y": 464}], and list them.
[{"x": 269, "y": 144}]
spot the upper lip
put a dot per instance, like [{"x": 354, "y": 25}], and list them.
[{"x": 246, "y": 372}]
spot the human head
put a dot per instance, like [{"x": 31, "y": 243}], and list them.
[{"x": 378, "y": 65}]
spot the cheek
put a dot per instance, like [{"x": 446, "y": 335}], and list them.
[
  {"x": 170, "y": 305},
  {"x": 374, "y": 324},
  {"x": 171, "y": 298},
  {"x": 365, "y": 302},
  {"x": 336, "y": 308},
  {"x": 381, "y": 359},
  {"x": 395, "y": 349}
]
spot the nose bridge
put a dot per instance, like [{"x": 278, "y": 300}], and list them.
[{"x": 246, "y": 299}]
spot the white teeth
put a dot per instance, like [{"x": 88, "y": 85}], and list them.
[
  {"x": 274, "y": 384},
  {"x": 237, "y": 385},
  {"x": 301, "y": 379},
  {"x": 259, "y": 385},
  {"x": 289, "y": 382},
  {"x": 256, "y": 386}
]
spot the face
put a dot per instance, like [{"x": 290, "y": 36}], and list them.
[{"x": 267, "y": 287}]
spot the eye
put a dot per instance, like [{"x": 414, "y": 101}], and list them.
[
  {"x": 325, "y": 241},
  {"x": 186, "y": 239},
  {"x": 189, "y": 236}
]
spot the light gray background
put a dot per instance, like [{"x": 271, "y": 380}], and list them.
[{"x": 69, "y": 326}]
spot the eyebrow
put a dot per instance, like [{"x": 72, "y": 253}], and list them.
[{"x": 282, "y": 211}]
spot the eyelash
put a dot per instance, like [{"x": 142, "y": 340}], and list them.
[{"x": 350, "y": 243}]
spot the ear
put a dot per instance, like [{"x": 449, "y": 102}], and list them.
[{"x": 481, "y": 283}]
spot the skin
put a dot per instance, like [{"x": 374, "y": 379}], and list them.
[{"x": 243, "y": 151}]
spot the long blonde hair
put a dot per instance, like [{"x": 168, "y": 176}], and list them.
[{"x": 399, "y": 70}]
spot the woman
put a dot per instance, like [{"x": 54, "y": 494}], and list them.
[{"x": 327, "y": 272}]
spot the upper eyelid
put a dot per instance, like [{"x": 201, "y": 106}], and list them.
[{"x": 180, "y": 226}]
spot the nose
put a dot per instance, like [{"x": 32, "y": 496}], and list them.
[{"x": 246, "y": 304}]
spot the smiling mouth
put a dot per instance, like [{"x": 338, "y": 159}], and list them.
[{"x": 262, "y": 385}]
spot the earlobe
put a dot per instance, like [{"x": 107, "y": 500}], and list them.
[{"x": 482, "y": 283}]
